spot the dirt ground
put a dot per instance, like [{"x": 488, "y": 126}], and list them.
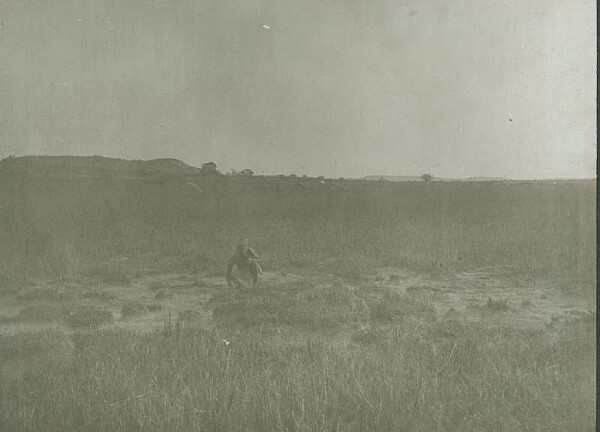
[{"x": 493, "y": 296}]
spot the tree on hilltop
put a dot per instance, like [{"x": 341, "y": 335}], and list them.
[{"x": 209, "y": 168}]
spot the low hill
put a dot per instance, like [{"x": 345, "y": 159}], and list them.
[{"x": 93, "y": 166}]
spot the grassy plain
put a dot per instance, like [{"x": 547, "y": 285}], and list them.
[
  {"x": 382, "y": 307},
  {"x": 67, "y": 227}
]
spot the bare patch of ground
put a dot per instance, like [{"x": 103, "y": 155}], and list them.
[
  {"x": 497, "y": 296},
  {"x": 289, "y": 304}
]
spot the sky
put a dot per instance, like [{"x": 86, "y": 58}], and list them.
[{"x": 455, "y": 88}]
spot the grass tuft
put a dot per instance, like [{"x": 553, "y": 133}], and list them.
[
  {"x": 42, "y": 312},
  {"x": 132, "y": 309},
  {"x": 500, "y": 305},
  {"x": 89, "y": 317},
  {"x": 46, "y": 293}
]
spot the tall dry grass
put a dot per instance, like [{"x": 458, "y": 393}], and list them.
[
  {"x": 410, "y": 378},
  {"x": 67, "y": 227}
]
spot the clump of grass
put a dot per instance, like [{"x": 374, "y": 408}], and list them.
[
  {"x": 297, "y": 304},
  {"x": 215, "y": 273},
  {"x": 102, "y": 295},
  {"x": 302, "y": 261},
  {"x": 94, "y": 342},
  {"x": 42, "y": 312},
  {"x": 355, "y": 269},
  {"x": 4, "y": 319},
  {"x": 154, "y": 307},
  {"x": 394, "y": 278},
  {"x": 89, "y": 316},
  {"x": 43, "y": 293},
  {"x": 185, "y": 320},
  {"x": 164, "y": 294},
  {"x": 393, "y": 307},
  {"x": 11, "y": 281},
  {"x": 132, "y": 309},
  {"x": 112, "y": 274},
  {"x": 334, "y": 294},
  {"x": 189, "y": 316},
  {"x": 368, "y": 336},
  {"x": 500, "y": 305},
  {"x": 156, "y": 286},
  {"x": 201, "y": 283},
  {"x": 23, "y": 345},
  {"x": 413, "y": 288}
]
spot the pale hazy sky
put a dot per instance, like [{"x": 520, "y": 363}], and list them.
[{"x": 318, "y": 87}]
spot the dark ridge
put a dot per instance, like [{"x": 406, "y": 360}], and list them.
[{"x": 93, "y": 165}]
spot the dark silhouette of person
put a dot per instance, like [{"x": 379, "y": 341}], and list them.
[{"x": 245, "y": 259}]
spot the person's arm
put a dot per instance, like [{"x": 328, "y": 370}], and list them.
[
  {"x": 252, "y": 254},
  {"x": 253, "y": 258}
]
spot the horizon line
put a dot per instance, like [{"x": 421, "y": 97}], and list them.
[{"x": 494, "y": 177}]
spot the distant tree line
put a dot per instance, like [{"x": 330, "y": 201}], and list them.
[
  {"x": 244, "y": 173},
  {"x": 210, "y": 168}
]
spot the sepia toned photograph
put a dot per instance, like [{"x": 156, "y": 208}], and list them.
[{"x": 298, "y": 215}]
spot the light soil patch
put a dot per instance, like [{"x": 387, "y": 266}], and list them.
[
  {"x": 492, "y": 296},
  {"x": 478, "y": 296}
]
